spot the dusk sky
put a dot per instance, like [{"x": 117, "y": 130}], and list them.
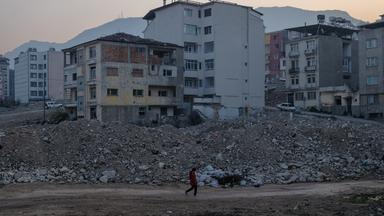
[{"x": 60, "y": 20}]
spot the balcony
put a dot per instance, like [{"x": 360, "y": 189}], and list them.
[
  {"x": 214, "y": 100},
  {"x": 70, "y": 103},
  {"x": 294, "y": 70},
  {"x": 309, "y": 52},
  {"x": 162, "y": 101},
  {"x": 311, "y": 68},
  {"x": 162, "y": 81},
  {"x": 294, "y": 54}
]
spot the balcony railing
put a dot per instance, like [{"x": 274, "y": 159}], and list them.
[
  {"x": 294, "y": 70},
  {"x": 310, "y": 68},
  {"x": 294, "y": 53},
  {"x": 311, "y": 51}
]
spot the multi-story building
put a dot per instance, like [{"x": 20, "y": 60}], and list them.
[
  {"x": 275, "y": 56},
  {"x": 39, "y": 72},
  {"x": 4, "y": 71},
  {"x": 322, "y": 67},
  {"x": 371, "y": 58},
  {"x": 11, "y": 85},
  {"x": 123, "y": 78},
  {"x": 224, "y": 53}
]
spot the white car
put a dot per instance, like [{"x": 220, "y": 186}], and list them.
[
  {"x": 287, "y": 107},
  {"x": 52, "y": 104}
]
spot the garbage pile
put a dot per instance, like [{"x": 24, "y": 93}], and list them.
[{"x": 272, "y": 148}]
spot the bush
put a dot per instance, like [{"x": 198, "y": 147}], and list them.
[{"x": 57, "y": 116}]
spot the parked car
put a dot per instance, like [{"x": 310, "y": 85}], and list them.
[
  {"x": 287, "y": 107},
  {"x": 52, "y": 104}
]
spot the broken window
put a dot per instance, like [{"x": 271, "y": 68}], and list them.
[
  {"x": 138, "y": 92},
  {"x": 112, "y": 92}
]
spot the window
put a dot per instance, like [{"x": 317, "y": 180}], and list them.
[
  {"x": 210, "y": 82},
  {"x": 45, "y": 57},
  {"x": 187, "y": 12},
  {"x": 208, "y": 30},
  {"x": 33, "y": 66},
  {"x": 92, "y": 113},
  {"x": 33, "y": 75},
  {"x": 209, "y": 47},
  {"x": 190, "y": 47},
  {"x": 45, "y": 66},
  {"x": 199, "y": 14},
  {"x": 112, "y": 92},
  {"x": 311, "y": 78},
  {"x": 33, "y": 57},
  {"x": 371, "y": 61},
  {"x": 41, "y": 93},
  {"x": 295, "y": 80},
  {"x": 92, "y": 92},
  {"x": 167, "y": 73},
  {"x": 41, "y": 76},
  {"x": 41, "y": 84},
  {"x": 41, "y": 66},
  {"x": 209, "y": 64},
  {"x": 74, "y": 77},
  {"x": 33, "y": 84},
  {"x": 190, "y": 82},
  {"x": 372, "y": 80},
  {"x": 33, "y": 93},
  {"x": 138, "y": 92},
  {"x": 190, "y": 65},
  {"x": 338, "y": 100},
  {"x": 372, "y": 99},
  {"x": 92, "y": 52},
  {"x": 295, "y": 64},
  {"x": 112, "y": 71},
  {"x": 138, "y": 55},
  {"x": 163, "y": 111},
  {"x": 92, "y": 73},
  {"x": 162, "y": 93},
  {"x": 311, "y": 61},
  {"x": 191, "y": 29},
  {"x": 299, "y": 96},
  {"x": 371, "y": 43},
  {"x": 311, "y": 44},
  {"x": 65, "y": 78},
  {"x": 200, "y": 83},
  {"x": 295, "y": 47},
  {"x": 136, "y": 72},
  {"x": 311, "y": 95},
  {"x": 142, "y": 111},
  {"x": 208, "y": 12}
]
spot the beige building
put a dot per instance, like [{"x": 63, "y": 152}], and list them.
[{"x": 123, "y": 78}]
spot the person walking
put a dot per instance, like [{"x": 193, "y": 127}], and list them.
[{"x": 192, "y": 181}]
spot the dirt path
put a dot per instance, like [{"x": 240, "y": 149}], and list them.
[{"x": 296, "y": 199}]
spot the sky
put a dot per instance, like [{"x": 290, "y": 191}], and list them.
[{"x": 60, "y": 20}]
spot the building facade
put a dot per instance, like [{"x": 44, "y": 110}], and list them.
[
  {"x": 224, "y": 53},
  {"x": 4, "y": 73},
  {"x": 39, "y": 72},
  {"x": 371, "y": 58},
  {"x": 322, "y": 68},
  {"x": 275, "y": 56},
  {"x": 123, "y": 78}
]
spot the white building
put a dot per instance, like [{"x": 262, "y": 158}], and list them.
[
  {"x": 224, "y": 53},
  {"x": 36, "y": 72},
  {"x": 4, "y": 70}
]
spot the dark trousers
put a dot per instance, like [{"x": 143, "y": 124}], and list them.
[{"x": 192, "y": 187}]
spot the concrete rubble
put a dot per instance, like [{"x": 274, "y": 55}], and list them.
[{"x": 268, "y": 149}]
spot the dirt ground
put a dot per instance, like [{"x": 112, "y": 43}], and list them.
[{"x": 358, "y": 198}]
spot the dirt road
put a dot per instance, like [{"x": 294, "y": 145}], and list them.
[{"x": 346, "y": 198}]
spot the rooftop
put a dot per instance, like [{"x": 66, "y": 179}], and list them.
[
  {"x": 151, "y": 14},
  {"x": 375, "y": 25},
  {"x": 322, "y": 29},
  {"x": 128, "y": 38}
]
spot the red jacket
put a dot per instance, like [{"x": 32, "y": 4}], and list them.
[{"x": 192, "y": 178}]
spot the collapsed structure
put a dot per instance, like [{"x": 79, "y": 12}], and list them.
[
  {"x": 123, "y": 78},
  {"x": 224, "y": 54}
]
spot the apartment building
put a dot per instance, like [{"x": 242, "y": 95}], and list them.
[
  {"x": 371, "y": 58},
  {"x": 322, "y": 67},
  {"x": 275, "y": 56},
  {"x": 224, "y": 53},
  {"x": 4, "y": 73},
  {"x": 123, "y": 78},
  {"x": 39, "y": 72}
]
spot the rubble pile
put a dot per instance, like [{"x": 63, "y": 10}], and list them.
[{"x": 268, "y": 149}]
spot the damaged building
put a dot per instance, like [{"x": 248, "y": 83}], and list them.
[
  {"x": 123, "y": 78},
  {"x": 322, "y": 67}
]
